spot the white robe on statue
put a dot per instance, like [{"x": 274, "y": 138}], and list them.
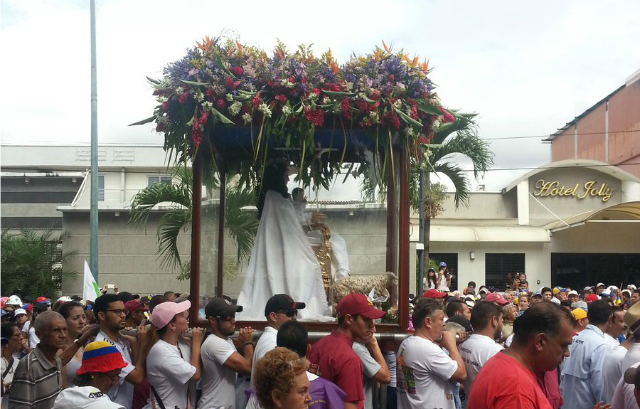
[{"x": 282, "y": 262}]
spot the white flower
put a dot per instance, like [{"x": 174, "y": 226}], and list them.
[
  {"x": 349, "y": 85},
  {"x": 199, "y": 96},
  {"x": 326, "y": 100},
  {"x": 207, "y": 105},
  {"x": 436, "y": 124},
  {"x": 230, "y": 97},
  {"x": 286, "y": 110},
  {"x": 264, "y": 108},
  {"x": 313, "y": 96},
  {"x": 398, "y": 104},
  {"x": 409, "y": 131},
  {"x": 286, "y": 83},
  {"x": 246, "y": 118},
  {"x": 374, "y": 116},
  {"x": 235, "y": 108},
  {"x": 162, "y": 99},
  {"x": 179, "y": 91}
]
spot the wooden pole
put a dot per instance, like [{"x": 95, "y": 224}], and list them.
[
  {"x": 403, "y": 241},
  {"x": 223, "y": 194},
  {"x": 196, "y": 212}
]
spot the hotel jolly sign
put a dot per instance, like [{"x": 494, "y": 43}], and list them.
[{"x": 579, "y": 191}]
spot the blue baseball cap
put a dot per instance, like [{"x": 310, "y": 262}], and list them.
[{"x": 443, "y": 264}]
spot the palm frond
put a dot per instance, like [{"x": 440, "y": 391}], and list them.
[
  {"x": 242, "y": 225},
  {"x": 459, "y": 179},
  {"x": 467, "y": 143},
  {"x": 169, "y": 227}
]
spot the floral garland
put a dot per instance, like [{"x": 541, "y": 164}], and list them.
[{"x": 288, "y": 95}]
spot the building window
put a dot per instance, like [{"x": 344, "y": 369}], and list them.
[
  {"x": 452, "y": 265},
  {"x": 101, "y": 188},
  {"x": 152, "y": 180},
  {"x": 499, "y": 265}
]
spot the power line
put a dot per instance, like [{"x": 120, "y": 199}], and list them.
[{"x": 550, "y": 135}]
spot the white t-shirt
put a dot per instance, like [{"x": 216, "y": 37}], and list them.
[
  {"x": 266, "y": 343},
  {"x": 218, "y": 382},
  {"x": 122, "y": 392},
  {"x": 423, "y": 374},
  {"x": 612, "y": 370},
  {"x": 623, "y": 397},
  {"x": 475, "y": 352},
  {"x": 369, "y": 369},
  {"x": 169, "y": 371},
  {"x": 33, "y": 338},
  {"x": 8, "y": 378},
  {"x": 611, "y": 340},
  {"x": 84, "y": 397}
]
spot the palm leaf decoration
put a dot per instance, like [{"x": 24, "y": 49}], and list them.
[{"x": 177, "y": 198}]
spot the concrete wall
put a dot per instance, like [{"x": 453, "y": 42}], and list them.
[{"x": 594, "y": 237}]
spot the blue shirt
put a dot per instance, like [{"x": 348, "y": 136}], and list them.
[{"x": 582, "y": 381}]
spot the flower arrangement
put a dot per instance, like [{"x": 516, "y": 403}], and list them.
[{"x": 286, "y": 96}]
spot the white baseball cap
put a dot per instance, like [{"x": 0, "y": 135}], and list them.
[
  {"x": 14, "y": 300},
  {"x": 19, "y": 311}
]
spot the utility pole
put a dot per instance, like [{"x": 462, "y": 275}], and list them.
[{"x": 93, "y": 246}]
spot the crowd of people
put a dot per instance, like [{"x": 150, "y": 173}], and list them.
[{"x": 553, "y": 348}]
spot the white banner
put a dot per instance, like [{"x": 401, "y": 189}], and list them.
[{"x": 90, "y": 289}]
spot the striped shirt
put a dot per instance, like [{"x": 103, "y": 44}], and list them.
[{"x": 36, "y": 382}]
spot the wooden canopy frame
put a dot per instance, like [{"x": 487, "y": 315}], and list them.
[{"x": 236, "y": 143}]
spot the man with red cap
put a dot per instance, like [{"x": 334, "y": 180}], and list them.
[
  {"x": 435, "y": 295},
  {"x": 333, "y": 358}
]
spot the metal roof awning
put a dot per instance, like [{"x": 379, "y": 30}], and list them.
[
  {"x": 488, "y": 234},
  {"x": 628, "y": 212}
]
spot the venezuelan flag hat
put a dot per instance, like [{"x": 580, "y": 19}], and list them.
[{"x": 100, "y": 357}]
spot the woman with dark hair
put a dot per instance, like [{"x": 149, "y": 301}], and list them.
[
  {"x": 73, "y": 313},
  {"x": 100, "y": 370},
  {"x": 429, "y": 282},
  {"x": 282, "y": 260},
  {"x": 10, "y": 345}
]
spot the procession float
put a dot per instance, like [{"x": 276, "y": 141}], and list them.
[{"x": 242, "y": 118}]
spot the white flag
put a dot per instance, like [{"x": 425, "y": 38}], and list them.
[{"x": 90, "y": 289}]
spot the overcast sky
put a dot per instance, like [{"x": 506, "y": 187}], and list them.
[{"x": 527, "y": 68}]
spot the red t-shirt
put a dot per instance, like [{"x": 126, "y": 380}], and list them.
[
  {"x": 503, "y": 383},
  {"x": 332, "y": 358}
]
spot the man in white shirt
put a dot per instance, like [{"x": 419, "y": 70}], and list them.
[
  {"x": 279, "y": 309},
  {"x": 486, "y": 320},
  {"x": 615, "y": 327},
  {"x": 111, "y": 316},
  {"x": 221, "y": 362},
  {"x": 424, "y": 369},
  {"x": 612, "y": 367},
  {"x": 374, "y": 367}
]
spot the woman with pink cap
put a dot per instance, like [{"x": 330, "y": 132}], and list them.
[
  {"x": 172, "y": 365},
  {"x": 100, "y": 370}
]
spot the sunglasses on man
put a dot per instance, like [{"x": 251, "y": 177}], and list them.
[{"x": 289, "y": 313}]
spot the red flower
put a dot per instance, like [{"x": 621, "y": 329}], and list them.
[
  {"x": 220, "y": 104},
  {"x": 318, "y": 117},
  {"x": 230, "y": 83},
  {"x": 375, "y": 94},
  {"x": 332, "y": 87},
  {"x": 362, "y": 105},
  {"x": 237, "y": 71},
  {"x": 446, "y": 115},
  {"x": 160, "y": 127},
  {"x": 281, "y": 98},
  {"x": 392, "y": 78},
  {"x": 291, "y": 80},
  {"x": 255, "y": 101},
  {"x": 209, "y": 94},
  {"x": 182, "y": 98},
  {"x": 346, "y": 108},
  {"x": 204, "y": 118},
  {"x": 316, "y": 91},
  {"x": 164, "y": 107}
]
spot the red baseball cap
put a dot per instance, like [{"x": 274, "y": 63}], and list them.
[
  {"x": 135, "y": 305},
  {"x": 358, "y": 304},
  {"x": 431, "y": 293},
  {"x": 41, "y": 299},
  {"x": 495, "y": 297},
  {"x": 591, "y": 298}
]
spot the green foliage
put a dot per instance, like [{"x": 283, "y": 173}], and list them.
[
  {"x": 32, "y": 262},
  {"x": 177, "y": 197}
]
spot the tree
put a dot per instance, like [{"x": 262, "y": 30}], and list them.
[
  {"x": 177, "y": 218},
  {"x": 32, "y": 262}
]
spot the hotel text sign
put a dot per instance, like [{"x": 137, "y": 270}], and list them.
[{"x": 579, "y": 191}]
